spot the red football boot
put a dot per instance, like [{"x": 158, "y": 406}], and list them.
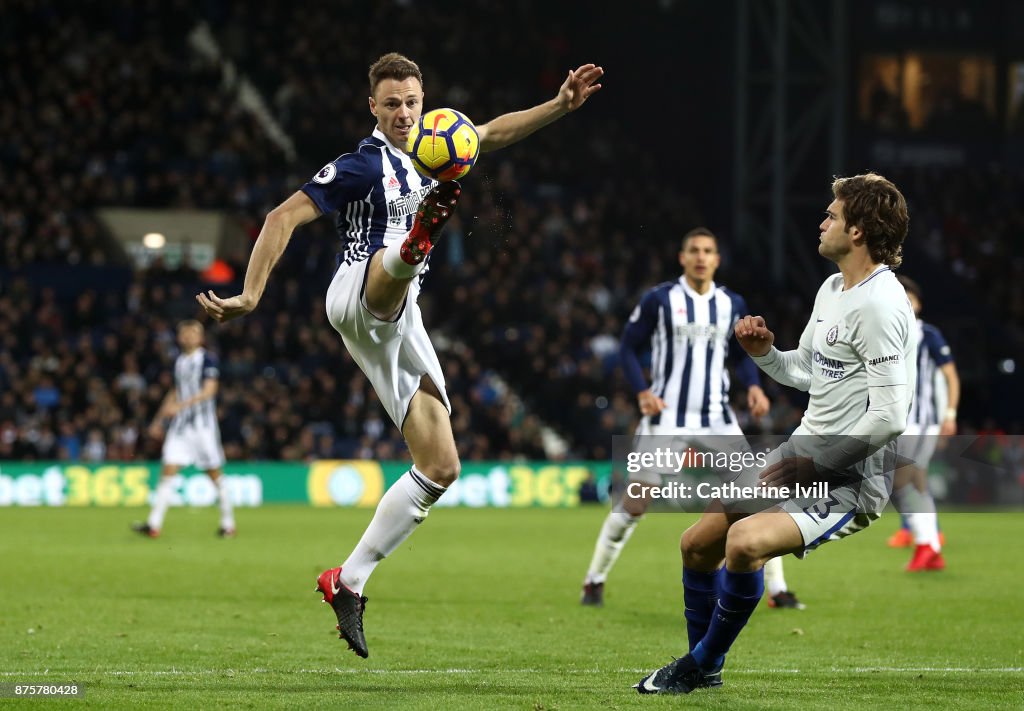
[
  {"x": 348, "y": 608},
  {"x": 434, "y": 210},
  {"x": 925, "y": 558}
]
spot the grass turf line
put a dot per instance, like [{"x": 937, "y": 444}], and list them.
[{"x": 479, "y": 609}]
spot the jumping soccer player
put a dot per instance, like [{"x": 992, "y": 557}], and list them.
[{"x": 389, "y": 218}]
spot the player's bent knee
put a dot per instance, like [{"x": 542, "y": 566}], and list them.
[
  {"x": 689, "y": 543},
  {"x": 442, "y": 473},
  {"x": 744, "y": 546},
  {"x": 635, "y": 506},
  {"x": 700, "y": 551}
]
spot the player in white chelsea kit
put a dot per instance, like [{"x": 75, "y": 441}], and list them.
[
  {"x": 933, "y": 415},
  {"x": 389, "y": 218},
  {"x": 688, "y": 327},
  {"x": 857, "y": 361},
  {"x": 193, "y": 436}
]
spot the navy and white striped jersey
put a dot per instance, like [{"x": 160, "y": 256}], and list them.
[
  {"x": 375, "y": 192},
  {"x": 932, "y": 353},
  {"x": 190, "y": 372},
  {"x": 690, "y": 337}
]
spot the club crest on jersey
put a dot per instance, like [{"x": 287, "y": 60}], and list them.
[
  {"x": 326, "y": 174},
  {"x": 832, "y": 336}
]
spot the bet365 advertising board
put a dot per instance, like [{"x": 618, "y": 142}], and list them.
[{"x": 322, "y": 483}]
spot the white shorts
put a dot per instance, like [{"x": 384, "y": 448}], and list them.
[
  {"x": 833, "y": 517},
  {"x": 917, "y": 444},
  {"x": 190, "y": 445},
  {"x": 720, "y": 437},
  {"x": 719, "y": 429},
  {"x": 841, "y": 509},
  {"x": 846, "y": 509},
  {"x": 394, "y": 355}
]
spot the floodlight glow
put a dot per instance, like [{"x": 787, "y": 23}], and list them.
[{"x": 154, "y": 240}]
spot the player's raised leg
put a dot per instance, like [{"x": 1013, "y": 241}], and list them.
[{"x": 392, "y": 268}]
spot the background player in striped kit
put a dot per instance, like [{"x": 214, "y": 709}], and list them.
[
  {"x": 388, "y": 218},
  {"x": 193, "y": 437},
  {"x": 687, "y": 325},
  {"x": 933, "y": 414}
]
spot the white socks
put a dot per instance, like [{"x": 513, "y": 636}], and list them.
[
  {"x": 774, "y": 578},
  {"x": 401, "y": 509},
  {"x": 617, "y": 529},
  {"x": 161, "y": 501},
  {"x": 227, "y": 515},
  {"x": 165, "y": 492},
  {"x": 398, "y": 267},
  {"x": 925, "y": 527},
  {"x": 919, "y": 508}
]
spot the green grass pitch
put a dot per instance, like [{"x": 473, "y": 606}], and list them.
[{"x": 479, "y": 610}]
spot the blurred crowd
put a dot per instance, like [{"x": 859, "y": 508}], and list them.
[
  {"x": 972, "y": 223},
  {"x": 104, "y": 104},
  {"x": 83, "y": 381}
]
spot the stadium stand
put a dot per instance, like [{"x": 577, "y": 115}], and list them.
[{"x": 527, "y": 295}]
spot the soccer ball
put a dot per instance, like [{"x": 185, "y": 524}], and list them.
[{"x": 443, "y": 145}]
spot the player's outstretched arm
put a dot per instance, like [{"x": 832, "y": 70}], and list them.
[
  {"x": 274, "y": 237},
  {"x": 508, "y": 128}
]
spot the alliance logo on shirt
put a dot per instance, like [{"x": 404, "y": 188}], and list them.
[{"x": 886, "y": 360}]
